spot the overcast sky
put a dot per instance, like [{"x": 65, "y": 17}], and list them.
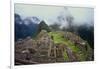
[{"x": 50, "y": 13}]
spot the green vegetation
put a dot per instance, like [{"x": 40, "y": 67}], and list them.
[
  {"x": 43, "y": 26},
  {"x": 65, "y": 56},
  {"x": 58, "y": 38}
]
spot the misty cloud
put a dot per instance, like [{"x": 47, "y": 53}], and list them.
[{"x": 50, "y": 14}]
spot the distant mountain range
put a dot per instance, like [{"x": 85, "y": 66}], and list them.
[
  {"x": 30, "y": 26},
  {"x": 26, "y": 27}
]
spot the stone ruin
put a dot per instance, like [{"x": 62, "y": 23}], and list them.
[
  {"x": 41, "y": 50},
  {"x": 80, "y": 43}
]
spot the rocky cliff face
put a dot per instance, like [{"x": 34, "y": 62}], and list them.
[{"x": 52, "y": 47}]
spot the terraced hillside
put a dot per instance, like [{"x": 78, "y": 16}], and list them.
[
  {"x": 74, "y": 45},
  {"x": 51, "y": 47}
]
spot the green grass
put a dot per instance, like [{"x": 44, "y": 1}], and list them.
[
  {"x": 58, "y": 38},
  {"x": 65, "y": 56}
]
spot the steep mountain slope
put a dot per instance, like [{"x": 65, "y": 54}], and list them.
[
  {"x": 51, "y": 47},
  {"x": 43, "y": 26},
  {"x": 26, "y": 27}
]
